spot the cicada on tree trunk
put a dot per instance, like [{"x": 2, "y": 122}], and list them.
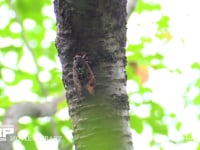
[{"x": 83, "y": 75}]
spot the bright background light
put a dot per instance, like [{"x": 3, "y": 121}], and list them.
[{"x": 180, "y": 52}]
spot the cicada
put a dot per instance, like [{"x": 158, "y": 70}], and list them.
[{"x": 83, "y": 75}]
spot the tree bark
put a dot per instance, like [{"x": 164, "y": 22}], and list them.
[{"x": 97, "y": 29}]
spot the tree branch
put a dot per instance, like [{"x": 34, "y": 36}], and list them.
[
  {"x": 28, "y": 109},
  {"x": 31, "y": 109}
]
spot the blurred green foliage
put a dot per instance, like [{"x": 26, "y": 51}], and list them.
[
  {"x": 146, "y": 6},
  {"x": 28, "y": 53}
]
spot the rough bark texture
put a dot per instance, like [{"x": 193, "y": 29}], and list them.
[{"x": 96, "y": 28}]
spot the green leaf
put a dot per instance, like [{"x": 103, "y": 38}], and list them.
[
  {"x": 158, "y": 66},
  {"x": 143, "y": 89},
  {"x": 25, "y": 8},
  {"x": 146, "y": 40},
  {"x": 163, "y": 23},
  {"x": 195, "y": 65},
  {"x": 56, "y": 84},
  {"x": 188, "y": 137},
  {"x": 142, "y": 6},
  {"x": 136, "y": 48},
  {"x": 178, "y": 125},
  {"x": 137, "y": 124},
  {"x": 197, "y": 100},
  {"x": 5, "y": 101},
  {"x": 46, "y": 129},
  {"x": 152, "y": 143},
  {"x": 155, "y": 119},
  {"x": 197, "y": 83},
  {"x": 198, "y": 148},
  {"x": 21, "y": 76},
  {"x": 29, "y": 144},
  {"x": 172, "y": 115},
  {"x": 61, "y": 105},
  {"x": 30, "y": 127},
  {"x": 157, "y": 110},
  {"x": 65, "y": 144},
  {"x": 131, "y": 74},
  {"x": 158, "y": 127},
  {"x": 63, "y": 123}
]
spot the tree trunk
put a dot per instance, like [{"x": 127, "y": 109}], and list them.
[{"x": 90, "y": 41}]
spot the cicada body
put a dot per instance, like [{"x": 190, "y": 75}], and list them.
[{"x": 82, "y": 75}]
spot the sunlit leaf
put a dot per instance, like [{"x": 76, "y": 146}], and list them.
[
  {"x": 195, "y": 65},
  {"x": 178, "y": 125},
  {"x": 29, "y": 144},
  {"x": 197, "y": 100},
  {"x": 137, "y": 124},
  {"x": 141, "y": 6},
  {"x": 163, "y": 23}
]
